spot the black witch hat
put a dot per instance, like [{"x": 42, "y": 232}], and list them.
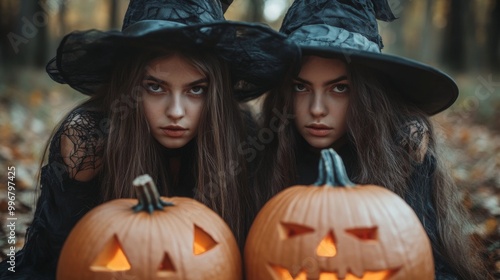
[
  {"x": 349, "y": 28},
  {"x": 257, "y": 55}
]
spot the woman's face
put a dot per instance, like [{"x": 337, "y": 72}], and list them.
[
  {"x": 321, "y": 96},
  {"x": 173, "y": 98}
]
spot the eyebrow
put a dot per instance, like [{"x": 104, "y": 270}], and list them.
[
  {"x": 336, "y": 80},
  {"x": 160, "y": 81}
]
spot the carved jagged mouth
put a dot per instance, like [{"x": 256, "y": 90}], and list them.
[{"x": 281, "y": 273}]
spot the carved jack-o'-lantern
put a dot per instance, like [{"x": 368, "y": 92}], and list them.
[
  {"x": 150, "y": 238},
  {"x": 331, "y": 232}
]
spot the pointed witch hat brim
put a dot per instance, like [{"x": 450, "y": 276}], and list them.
[
  {"x": 428, "y": 88},
  {"x": 348, "y": 30},
  {"x": 257, "y": 55}
]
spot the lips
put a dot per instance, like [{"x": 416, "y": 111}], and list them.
[
  {"x": 174, "y": 130},
  {"x": 318, "y": 129}
]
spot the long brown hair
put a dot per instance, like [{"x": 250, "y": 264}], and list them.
[
  {"x": 129, "y": 149},
  {"x": 377, "y": 125}
]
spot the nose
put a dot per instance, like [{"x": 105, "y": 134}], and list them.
[
  {"x": 175, "y": 109},
  {"x": 317, "y": 107}
]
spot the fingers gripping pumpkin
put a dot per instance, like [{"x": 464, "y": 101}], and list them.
[
  {"x": 332, "y": 232},
  {"x": 149, "y": 238}
]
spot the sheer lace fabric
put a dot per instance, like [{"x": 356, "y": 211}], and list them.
[
  {"x": 63, "y": 199},
  {"x": 82, "y": 140}
]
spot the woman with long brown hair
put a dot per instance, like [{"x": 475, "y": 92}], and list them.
[
  {"x": 164, "y": 98},
  {"x": 374, "y": 110}
]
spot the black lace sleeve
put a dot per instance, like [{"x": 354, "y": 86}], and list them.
[
  {"x": 75, "y": 153},
  {"x": 79, "y": 144}
]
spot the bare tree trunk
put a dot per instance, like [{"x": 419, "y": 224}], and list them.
[
  {"x": 113, "y": 14},
  {"x": 41, "y": 19},
  {"x": 493, "y": 39},
  {"x": 62, "y": 17},
  {"x": 453, "y": 51},
  {"x": 7, "y": 25},
  {"x": 427, "y": 42},
  {"x": 29, "y": 38},
  {"x": 257, "y": 11}
]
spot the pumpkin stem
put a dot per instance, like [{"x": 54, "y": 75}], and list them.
[
  {"x": 148, "y": 196},
  {"x": 332, "y": 170}
]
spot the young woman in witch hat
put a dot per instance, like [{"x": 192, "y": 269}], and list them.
[
  {"x": 163, "y": 101},
  {"x": 374, "y": 110}
]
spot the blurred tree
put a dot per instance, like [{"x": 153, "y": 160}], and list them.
[
  {"x": 493, "y": 38},
  {"x": 113, "y": 14},
  {"x": 426, "y": 46},
  {"x": 39, "y": 46},
  {"x": 454, "y": 47},
  {"x": 8, "y": 8},
  {"x": 26, "y": 30},
  {"x": 62, "y": 17},
  {"x": 256, "y": 11}
]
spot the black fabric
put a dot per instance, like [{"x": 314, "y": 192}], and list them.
[
  {"x": 421, "y": 200},
  {"x": 257, "y": 55},
  {"x": 358, "y": 16},
  {"x": 183, "y": 182},
  {"x": 226, "y": 4},
  {"x": 63, "y": 200},
  {"x": 185, "y": 12}
]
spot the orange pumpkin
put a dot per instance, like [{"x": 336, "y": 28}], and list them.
[
  {"x": 332, "y": 232},
  {"x": 149, "y": 238}
]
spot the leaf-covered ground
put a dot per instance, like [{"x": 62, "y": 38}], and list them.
[{"x": 31, "y": 109}]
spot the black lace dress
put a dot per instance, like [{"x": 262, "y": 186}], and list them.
[{"x": 63, "y": 199}]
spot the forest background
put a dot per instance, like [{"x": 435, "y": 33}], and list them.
[{"x": 461, "y": 37}]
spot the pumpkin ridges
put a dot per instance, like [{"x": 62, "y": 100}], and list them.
[
  {"x": 157, "y": 251},
  {"x": 236, "y": 255},
  {"x": 189, "y": 224},
  {"x": 344, "y": 197},
  {"x": 347, "y": 213},
  {"x": 381, "y": 207},
  {"x": 305, "y": 200},
  {"x": 137, "y": 223},
  {"x": 254, "y": 234},
  {"x": 202, "y": 218},
  {"x": 373, "y": 198},
  {"x": 233, "y": 251},
  {"x": 394, "y": 221},
  {"x": 415, "y": 234},
  {"x": 155, "y": 254},
  {"x": 83, "y": 232},
  {"x": 355, "y": 264}
]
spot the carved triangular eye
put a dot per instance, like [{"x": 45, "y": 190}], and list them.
[
  {"x": 281, "y": 273},
  {"x": 289, "y": 230},
  {"x": 111, "y": 258},
  {"x": 166, "y": 266},
  {"x": 364, "y": 234},
  {"x": 203, "y": 242},
  {"x": 327, "y": 247}
]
